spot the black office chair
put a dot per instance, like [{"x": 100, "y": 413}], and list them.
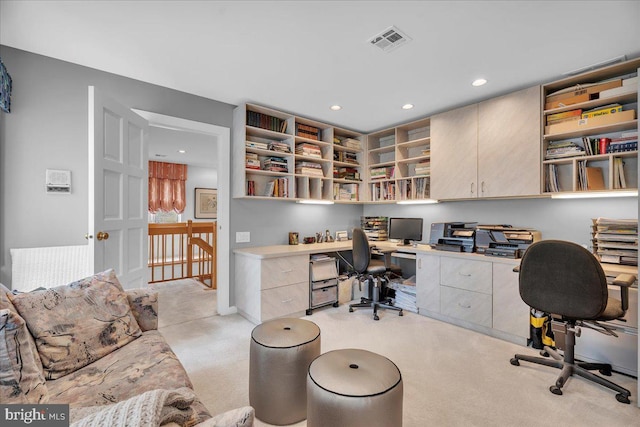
[
  {"x": 370, "y": 269},
  {"x": 566, "y": 280}
]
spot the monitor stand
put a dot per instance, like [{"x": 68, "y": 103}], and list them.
[{"x": 405, "y": 242}]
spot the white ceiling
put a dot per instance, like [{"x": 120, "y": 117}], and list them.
[
  {"x": 199, "y": 149},
  {"x": 304, "y": 56}
]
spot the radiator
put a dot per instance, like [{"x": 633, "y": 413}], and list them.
[{"x": 32, "y": 268}]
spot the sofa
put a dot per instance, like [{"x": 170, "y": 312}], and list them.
[{"x": 96, "y": 347}]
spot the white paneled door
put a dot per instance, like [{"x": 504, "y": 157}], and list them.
[{"x": 118, "y": 174}]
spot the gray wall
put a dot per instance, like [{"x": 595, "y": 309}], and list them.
[
  {"x": 567, "y": 219},
  {"x": 48, "y": 128},
  {"x": 198, "y": 177}
]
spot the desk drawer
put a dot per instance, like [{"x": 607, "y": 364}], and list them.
[
  {"x": 466, "y": 274},
  {"x": 284, "y": 271},
  {"x": 284, "y": 300},
  {"x": 324, "y": 295},
  {"x": 471, "y": 306}
]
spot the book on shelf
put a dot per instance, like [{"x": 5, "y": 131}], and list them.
[
  {"x": 256, "y": 144},
  {"x": 251, "y": 188},
  {"x": 351, "y": 143},
  {"x": 266, "y": 121},
  {"x": 346, "y": 173},
  {"x": 423, "y": 168},
  {"x": 279, "y": 146},
  {"x": 277, "y": 188},
  {"x": 561, "y": 149},
  {"x": 602, "y": 111},
  {"x": 551, "y": 179},
  {"x": 570, "y": 115},
  {"x": 382, "y": 173},
  {"x": 275, "y": 164},
  {"x": 309, "y": 150},
  {"x": 591, "y": 122},
  {"x": 619, "y": 180},
  {"x": 595, "y": 178},
  {"x": 307, "y": 131},
  {"x": 418, "y": 133},
  {"x": 345, "y": 192},
  {"x": 345, "y": 157}
]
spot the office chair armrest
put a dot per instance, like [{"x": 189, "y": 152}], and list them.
[{"x": 624, "y": 280}]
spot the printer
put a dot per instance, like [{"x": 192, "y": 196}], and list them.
[
  {"x": 453, "y": 236},
  {"x": 504, "y": 240}
]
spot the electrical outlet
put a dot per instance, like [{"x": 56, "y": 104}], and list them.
[{"x": 243, "y": 237}]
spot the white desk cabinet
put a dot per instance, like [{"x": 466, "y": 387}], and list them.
[
  {"x": 473, "y": 291},
  {"x": 267, "y": 288}
]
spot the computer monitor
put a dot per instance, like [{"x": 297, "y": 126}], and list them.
[{"x": 405, "y": 229}]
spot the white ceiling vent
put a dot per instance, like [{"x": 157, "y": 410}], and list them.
[{"x": 390, "y": 39}]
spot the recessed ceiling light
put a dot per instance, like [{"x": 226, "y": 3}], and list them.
[
  {"x": 479, "y": 82},
  {"x": 182, "y": 151},
  {"x": 407, "y": 106},
  {"x": 336, "y": 107}
]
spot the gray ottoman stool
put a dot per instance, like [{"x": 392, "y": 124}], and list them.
[
  {"x": 354, "y": 388},
  {"x": 281, "y": 351}
]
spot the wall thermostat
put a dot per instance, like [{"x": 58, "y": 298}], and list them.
[{"x": 58, "y": 181}]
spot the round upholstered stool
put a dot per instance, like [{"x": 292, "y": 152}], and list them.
[
  {"x": 355, "y": 388},
  {"x": 281, "y": 351}
]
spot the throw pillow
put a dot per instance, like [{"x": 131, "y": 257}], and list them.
[
  {"x": 77, "y": 324},
  {"x": 21, "y": 378}
]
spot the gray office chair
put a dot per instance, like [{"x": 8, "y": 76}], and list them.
[
  {"x": 370, "y": 269},
  {"x": 566, "y": 280}
]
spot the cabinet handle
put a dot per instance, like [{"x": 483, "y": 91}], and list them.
[
  {"x": 419, "y": 262},
  {"x": 473, "y": 187},
  {"x": 287, "y": 300},
  {"x": 482, "y": 187},
  {"x": 464, "y": 306},
  {"x": 465, "y": 275},
  {"x": 287, "y": 271}
]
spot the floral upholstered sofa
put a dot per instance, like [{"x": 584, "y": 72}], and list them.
[{"x": 96, "y": 347}]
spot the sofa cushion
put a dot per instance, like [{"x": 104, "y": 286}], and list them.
[
  {"x": 144, "y": 305},
  {"x": 77, "y": 324},
  {"x": 21, "y": 376},
  {"x": 145, "y": 364}
]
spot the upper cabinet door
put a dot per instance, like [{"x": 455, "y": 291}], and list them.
[
  {"x": 509, "y": 145},
  {"x": 454, "y": 159}
]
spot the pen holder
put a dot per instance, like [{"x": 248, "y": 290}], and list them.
[{"x": 293, "y": 238}]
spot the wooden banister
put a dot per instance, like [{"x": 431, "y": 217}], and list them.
[{"x": 172, "y": 247}]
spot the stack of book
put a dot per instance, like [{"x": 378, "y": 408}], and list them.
[
  {"x": 405, "y": 294},
  {"x": 310, "y": 132},
  {"x": 351, "y": 143},
  {"x": 551, "y": 179},
  {"x": 404, "y": 189},
  {"x": 560, "y": 149},
  {"x": 615, "y": 241},
  {"x": 619, "y": 181},
  {"x": 309, "y": 168},
  {"x": 423, "y": 168},
  {"x": 266, "y": 121},
  {"x": 346, "y": 173},
  {"x": 422, "y": 188},
  {"x": 383, "y": 191},
  {"x": 381, "y": 173},
  {"x": 252, "y": 161},
  {"x": 279, "y": 146},
  {"x": 374, "y": 227},
  {"x": 309, "y": 150},
  {"x": 276, "y": 164},
  {"x": 256, "y": 144},
  {"x": 345, "y": 157}
]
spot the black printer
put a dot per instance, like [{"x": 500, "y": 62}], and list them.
[
  {"x": 453, "y": 236},
  {"x": 504, "y": 240}
]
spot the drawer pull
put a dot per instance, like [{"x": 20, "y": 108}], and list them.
[
  {"x": 464, "y": 306},
  {"x": 287, "y": 300},
  {"x": 287, "y": 271},
  {"x": 465, "y": 275}
]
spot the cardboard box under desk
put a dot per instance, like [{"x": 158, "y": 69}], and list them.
[{"x": 592, "y": 122}]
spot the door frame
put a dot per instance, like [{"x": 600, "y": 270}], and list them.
[{"x": 223, "y": 135}]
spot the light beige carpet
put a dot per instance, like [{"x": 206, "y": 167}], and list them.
[
  {"x": 452, "y": 376},
  {"x": 184, "y": 300}
]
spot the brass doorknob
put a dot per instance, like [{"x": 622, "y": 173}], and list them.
[{"x": 102, "y": 235}]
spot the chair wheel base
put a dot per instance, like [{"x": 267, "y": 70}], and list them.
[
  {"x": 514, "y": 361},
  {"x": 400, "y": 313},
  {"x": 309, "y": 312},
  {"x": 350, "y": 310},
  {"x": 335, "y": 304},
  {"x": 622, "y": 398},
  {"x": 376, "y": 317},
  {"x": 555, "y": 390},
  {"x": 605, "y": 372},
  {"x": 543, "y": 353}
]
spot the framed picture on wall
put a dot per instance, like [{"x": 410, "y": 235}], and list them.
[{"x": 206, "y": 203}]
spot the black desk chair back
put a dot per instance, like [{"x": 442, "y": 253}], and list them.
[
  {"x": 373, "y": 270},
  {"x": 566, "y": 280}
]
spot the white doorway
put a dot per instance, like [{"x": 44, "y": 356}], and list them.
[{"x": 221, "y": 136}]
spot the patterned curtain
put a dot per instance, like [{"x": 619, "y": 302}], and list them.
[{"x": 167, "y": 187}]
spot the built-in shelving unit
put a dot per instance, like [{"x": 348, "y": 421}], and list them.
[
  {"x": 578, "y": 113},
  {"x": 280, "y": 156},
  {"x": 399, "y": 163}
]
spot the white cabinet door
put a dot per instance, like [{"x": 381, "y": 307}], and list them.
[
  {"x": 454, "y": 158},
  {"x": 510, "y": 313},
  {"x": 428, "y": 282},
  {"x": 509, "y": 145}
]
